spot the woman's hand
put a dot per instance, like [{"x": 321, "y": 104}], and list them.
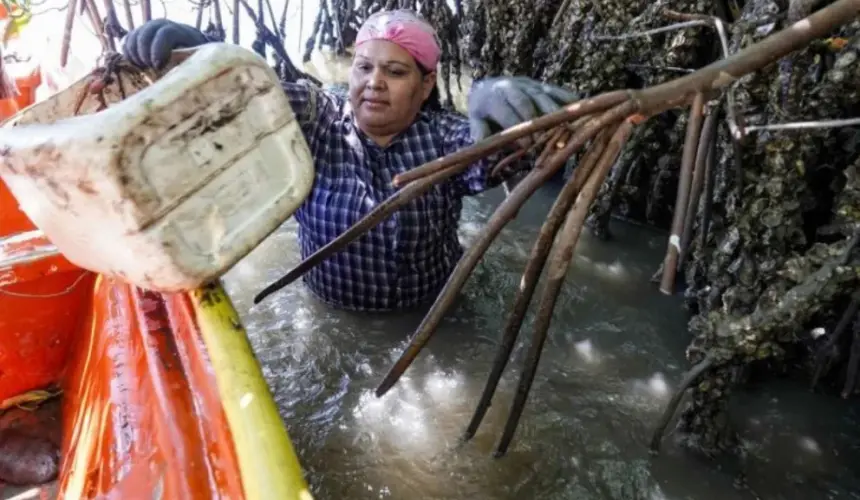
[
  {"x": 150, "y": 45},
  {"x": 506, "y": 101}
]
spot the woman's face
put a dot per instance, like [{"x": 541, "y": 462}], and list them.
[{"x": 386, "y": 88}]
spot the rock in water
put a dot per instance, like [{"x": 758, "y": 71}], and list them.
[{"x": 27, "y": 460}]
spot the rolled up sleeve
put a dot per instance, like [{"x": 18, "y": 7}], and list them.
[{"x": 315, "y": 108}]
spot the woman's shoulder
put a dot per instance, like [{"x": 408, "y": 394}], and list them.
[
  {"x": 451, "y": 126},
  {"x": 327, "y": 102},
  {"x": 335, "y": 93},
  {"x": 446, "y": 117}
]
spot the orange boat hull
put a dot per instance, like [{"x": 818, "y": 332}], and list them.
[
  {"x": 141, "y": 410},
  {"x": 42, "y": 304},
  {"x": 141, "y": 405},
  {"x": 161, "y": 394},
  {"x": 146, "y": 402}
]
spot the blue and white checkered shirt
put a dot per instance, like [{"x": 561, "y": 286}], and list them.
[{"x": 406, "y": 259}]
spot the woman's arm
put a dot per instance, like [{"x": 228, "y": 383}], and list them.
[
  {"x": 315, "y": 108},
  {"x": 456, "y": 135}
]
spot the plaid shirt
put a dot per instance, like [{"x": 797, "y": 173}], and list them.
[{"x": 406, "y": 259}]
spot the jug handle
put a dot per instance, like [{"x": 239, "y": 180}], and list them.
[{"x": 177, "y": 57}]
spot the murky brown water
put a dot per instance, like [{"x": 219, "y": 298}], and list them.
[{"x": 614, "y": 353}]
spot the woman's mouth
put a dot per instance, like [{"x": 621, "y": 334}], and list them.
[{"x": 374, "y": 104}]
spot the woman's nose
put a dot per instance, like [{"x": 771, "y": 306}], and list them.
[{"x": 376, "y": 80}]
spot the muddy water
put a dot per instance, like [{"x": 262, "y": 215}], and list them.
[{"x": 614, "y": 352}]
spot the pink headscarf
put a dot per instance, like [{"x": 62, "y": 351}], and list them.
[{"x": 408, "y": 30}]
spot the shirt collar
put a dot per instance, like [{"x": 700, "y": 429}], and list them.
[{"x": 349, "y": 120}]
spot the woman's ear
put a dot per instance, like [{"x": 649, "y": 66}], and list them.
[{"x": 428, "y": 83}]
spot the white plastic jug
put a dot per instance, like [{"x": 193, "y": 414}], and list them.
[{"x": 170, "y": 187}]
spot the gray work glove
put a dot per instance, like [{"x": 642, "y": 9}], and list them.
[
  {"x": 506, "y": 101},
  {"x": 149, "y": 45}
]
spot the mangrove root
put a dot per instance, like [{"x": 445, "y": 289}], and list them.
[
  {"x": 827, "y": 355},
  {"x": 687, "y": 381},
  {"x": 531, "y": 274},
  {"x": 854, "y": 361}
]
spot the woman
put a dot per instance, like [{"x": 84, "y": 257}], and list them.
[{"x": 389, "y": 123}]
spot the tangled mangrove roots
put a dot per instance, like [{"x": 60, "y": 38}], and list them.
[
  {"x": 784, "y": 187},
  {"x": 597, "y": 47},
  {"x": 604, "y": 122},
  {"x": 109, "y": 29},
  {"x": 817, "y": 280}
]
